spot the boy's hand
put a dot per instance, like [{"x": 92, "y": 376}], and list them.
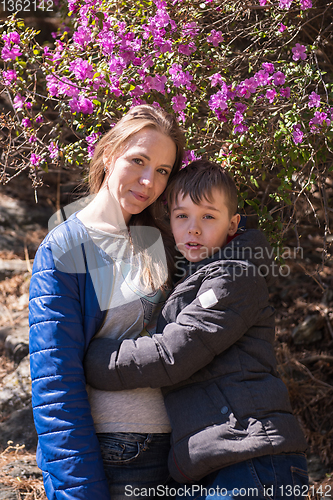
[{"x": 97, "y": 360}]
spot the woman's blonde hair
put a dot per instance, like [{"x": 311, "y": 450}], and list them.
[{"x": 138, "y": 118}]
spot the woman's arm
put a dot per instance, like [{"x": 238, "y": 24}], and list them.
[
  {"x": 187, "y": 344},
  {"x": 69, "y": 452}
]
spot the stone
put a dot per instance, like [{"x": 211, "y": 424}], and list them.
[
  {"x": 16, "y": 388},
  {"x": 8, "y": 493},
  {"x": 23, "y": 468},
  {"x": 17, "y": 343},
  {"x": 19, "y": 428},
  {"x": 309, "y": 330}
]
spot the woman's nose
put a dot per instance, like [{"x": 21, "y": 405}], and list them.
[{"x": 147, "y": 177}]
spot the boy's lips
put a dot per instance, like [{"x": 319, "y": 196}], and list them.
[
  {"x": 139, "y": 196},
  {"x": 192, "y": 245}
]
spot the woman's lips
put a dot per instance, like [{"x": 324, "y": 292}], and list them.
[{"x": 139, "y": 196}]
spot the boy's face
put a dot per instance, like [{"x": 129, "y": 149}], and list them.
[{"x": 200, "y": 230}]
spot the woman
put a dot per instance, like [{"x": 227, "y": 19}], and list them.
[{"x": 99, "y": 273}]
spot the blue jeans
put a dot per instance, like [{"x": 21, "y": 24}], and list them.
[
  {"x": 272, "y": 477},
  {"x": 134, "y": 462}
]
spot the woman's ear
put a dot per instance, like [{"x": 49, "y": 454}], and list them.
[{"x": 233, "y": 226}]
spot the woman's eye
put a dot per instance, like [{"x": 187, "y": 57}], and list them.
[
  {"x": 181, "y": 216},
  {"x": 163, "y": 171},
  {"x": 138, "y": 161}
]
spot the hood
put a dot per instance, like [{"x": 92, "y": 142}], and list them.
[{"x": 248, "y": 245}]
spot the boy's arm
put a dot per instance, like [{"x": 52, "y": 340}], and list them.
[{"x": 204, "y": 329}]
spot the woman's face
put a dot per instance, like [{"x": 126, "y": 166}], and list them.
[{"x": 138, "y": 176}]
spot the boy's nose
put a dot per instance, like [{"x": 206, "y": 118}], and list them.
[{"x": 194, "y": 229}]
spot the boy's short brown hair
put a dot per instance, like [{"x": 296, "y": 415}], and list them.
[{"x": 198, "y": 179}]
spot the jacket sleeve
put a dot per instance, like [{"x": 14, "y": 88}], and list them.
[
  {"x": 224, "y": 308},
  {"x": 69, "y": 452}
]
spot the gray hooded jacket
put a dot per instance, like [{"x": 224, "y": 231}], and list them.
[{"x": 215, "y": 362}]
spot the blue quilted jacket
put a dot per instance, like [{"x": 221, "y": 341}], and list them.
[{"x": 64, "y": 314}]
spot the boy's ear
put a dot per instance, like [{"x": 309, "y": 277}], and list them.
[{"x": 233, "y": 226}]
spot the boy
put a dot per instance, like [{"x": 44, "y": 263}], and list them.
[{"x": 232, "y": 426}]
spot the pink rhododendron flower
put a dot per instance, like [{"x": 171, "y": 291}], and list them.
[
  {"x": 240, "y": 107},
  {"x": 318, "y": 121},
  {"x": 269, "y": 67},
  {"x": 247, "y": 87},
  {"x": 215, "y": 38},
  {"x": 270, "y": 95},
  {"x": 35, "y": 159},
  {"x": 67, "y": 87},
  {"x": 190, "y": 29},
  {"x": 238, "y": 118},
  {"x": 116, "y": 65},
  {"x": 219, "y": 100},
  {"x": 215, "y": 79},
  {"x": 279, "y": 78},
  {"x": 157, "y": 83},
  {"x": 285, "y": 4},
  {"x": 82, "y": 69},
  {"x": 82, "y": 36},
  {"x": 262, "y": 77},
  {"x": 71, "y": 5},
  {"x": 285, "y": 92},
  {"x": 262, "y": 2},
  {"x": 189, "y": 156},
  {"x": 19, "y": 102},
  {"x": 162, "y": 18},
  {"x": 297, "y": 134},
  {"x": 178, "y": 102},
  {"x": 180, "y": 77},
  {"x": 12, "y": 37},
  {"x": 299, "y": 52},
  {"x": 282, "y": 28},
  {"x": 52, "y": 85},
  {"x": 10, "y": 53},
  {"x": 107, "y": 40},
  {"x": 187, "y": 49},
  {"x": 306, "y": 4},
  {"x": 26, "y": 123},
  {"x": 221, "y": 115},
  {"x": 32, "y": 139},
  {"x": 83, "y": 105},
  {"x": 241, "y": 129},
  {"x": 39, "y": 119},
  {"x": 54, "y": 150},
  {"x": 314, "y": 100},
  {"x": 9, "y": 76}
]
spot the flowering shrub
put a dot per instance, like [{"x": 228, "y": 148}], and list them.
[{"x": 246, "y": 80}]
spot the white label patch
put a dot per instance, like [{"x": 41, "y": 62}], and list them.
[{"x": 208, "y": 299}]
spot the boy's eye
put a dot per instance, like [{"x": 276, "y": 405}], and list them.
[
  {"x": 208, "y": 216},
  {"x": 181, "y": 216}
]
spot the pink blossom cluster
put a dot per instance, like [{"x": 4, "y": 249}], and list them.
[
  {"x": 156, "y": 59},
  {"x": 265, "y": 77},
  {"x": 11, "y": 49}
]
